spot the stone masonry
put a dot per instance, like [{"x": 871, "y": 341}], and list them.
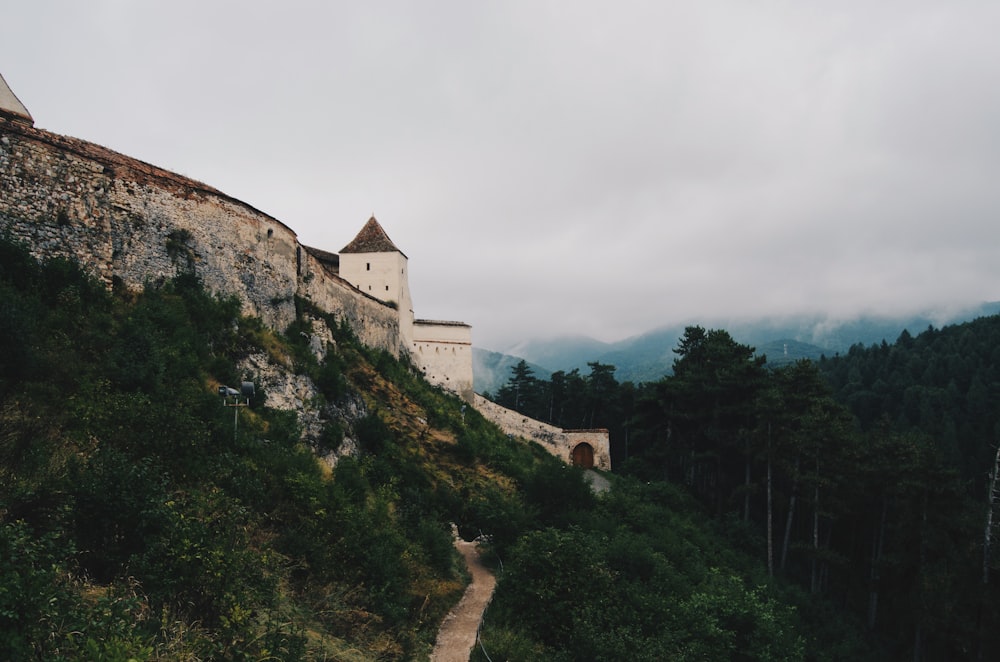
[{"x": 133, "y": 223}]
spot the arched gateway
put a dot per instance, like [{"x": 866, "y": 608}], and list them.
[{"x": 583, "y": 456}]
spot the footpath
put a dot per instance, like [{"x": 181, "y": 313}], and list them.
[{"x": 457, "y": 635}]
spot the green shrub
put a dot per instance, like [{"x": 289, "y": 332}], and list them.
[
  {"x": 201, "y": 563},
  {"x": 35, "y": 595}
]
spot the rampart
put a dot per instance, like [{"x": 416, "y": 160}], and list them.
[
  {"x": 564, "y": 444},
  {"x": 133, "y": 223}
]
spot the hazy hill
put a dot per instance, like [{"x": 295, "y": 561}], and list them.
[
  {"x": 492, "y": 369},
  {"x": 649, "y": 356}
]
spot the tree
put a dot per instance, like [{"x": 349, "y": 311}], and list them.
[
  {"x": 521, "y": 392},
  {"x": 601, "y": 387},
  {"x": 713, "y": 395}
]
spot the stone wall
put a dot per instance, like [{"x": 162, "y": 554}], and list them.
[
  {"x": 375, "y": 323},
  {"x": 134, "y": 223},
  {"x": 555, "y": 440}
]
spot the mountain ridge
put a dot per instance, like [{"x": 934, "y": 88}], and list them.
[{"x": 649, "y": 356}]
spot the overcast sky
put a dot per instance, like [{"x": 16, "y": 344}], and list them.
[{"x": 550, "y": 168}]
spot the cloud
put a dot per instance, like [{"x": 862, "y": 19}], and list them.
[{"x": 553, "y": 168}]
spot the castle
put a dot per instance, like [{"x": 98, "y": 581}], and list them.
[
  {"x": 132, "y": 223},
  {"x": 373, "y": 264}
]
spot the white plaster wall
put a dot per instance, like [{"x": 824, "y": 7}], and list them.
[
  {"x": 9, "y": 102},
  {"x": 449, "y": 332},
  {"x": 383, "y": 276},
  {"x": 443, "y": 352}
]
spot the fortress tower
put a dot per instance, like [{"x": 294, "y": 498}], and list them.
[
  {"x": 442, "y": 350},
  {"x": 373, "y": 264}
]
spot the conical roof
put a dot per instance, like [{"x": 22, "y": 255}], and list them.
[
  {"x": 10, "y": 105},
  {"x": 371, "y": 239}
]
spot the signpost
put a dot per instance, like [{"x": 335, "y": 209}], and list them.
[{"x": 246, "y": 391}]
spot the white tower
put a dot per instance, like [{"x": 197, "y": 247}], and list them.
[
  {"x": 373, "y": 264},
  {"x": 441, "y": 350}
]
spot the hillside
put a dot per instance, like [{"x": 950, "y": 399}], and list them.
[
  {"x": 143, "y": 516},
  {"x": 137, "y": 519},
  {"x": 141, "y": 519}
]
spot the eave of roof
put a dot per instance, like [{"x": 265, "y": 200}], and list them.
[{"x": 440, "y": 323}]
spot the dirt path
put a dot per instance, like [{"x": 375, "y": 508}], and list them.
[
  {"x": 457, "y": 635},
  {"x": 598, "y": 483}
]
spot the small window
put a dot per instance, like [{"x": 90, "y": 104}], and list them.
[
  {"x": 368, "y": 266},
  {"x": 270, "y": 232},
  {"x": 386, "y": 288}
]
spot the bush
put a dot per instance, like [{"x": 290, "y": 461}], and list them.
[
  {"x": 35, "y": 595},
  {"x": 558, "y": 493},
  {"x": 201, "y": 563}
]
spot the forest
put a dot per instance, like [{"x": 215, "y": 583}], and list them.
[
  {"x": 865, "y": 479},
  {"x": 822, "y": 511}
]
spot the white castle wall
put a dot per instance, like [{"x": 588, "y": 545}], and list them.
[
  {"x": 385, "y": 277},
  {"x": 134, "y": 223},
  {"x": 443, "y": 351},
  {"x": 381, "y": 275}
]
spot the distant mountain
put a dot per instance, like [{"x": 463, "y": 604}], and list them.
[
  {"x": 561, "y": 351},
  {"x": 492, "y": 369},
  {"x": 788, "y": 350},
  {"x": 650, "y": 356}
]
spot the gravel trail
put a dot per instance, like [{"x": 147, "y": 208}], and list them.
[{"x": 457, "y": 635}]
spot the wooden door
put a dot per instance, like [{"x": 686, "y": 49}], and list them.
[{"x": 583, "y": 456}]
